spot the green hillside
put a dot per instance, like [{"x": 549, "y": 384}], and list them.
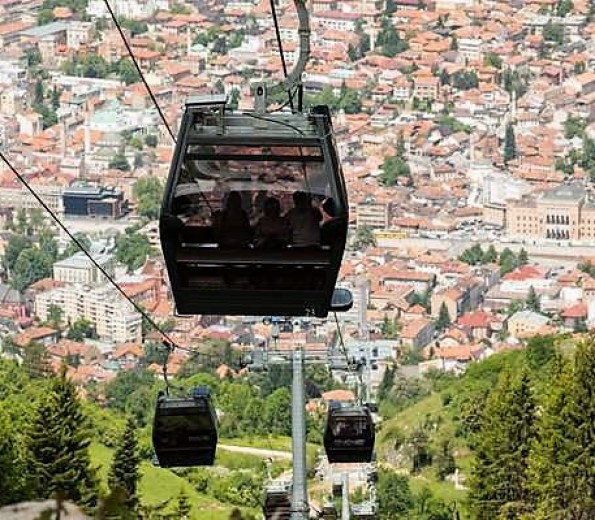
[{"x": 158, "y": 485}]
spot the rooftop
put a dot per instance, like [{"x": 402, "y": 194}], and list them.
[
  {"x": 45, "y": 30},
  {"x": 564, "y": 193}
]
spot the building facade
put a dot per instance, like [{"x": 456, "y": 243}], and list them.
[
  {"x": 114, "y": 319},
  {"x": 372, "y": 214},
  {"x": 79, "y": 269},
  {"x": 18, "y": 197},
  {"x": 94, "y": 201},
  {"x": 562, "y": 213}
]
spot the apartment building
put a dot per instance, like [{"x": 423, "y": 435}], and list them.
[
  {"x": 373, "y": 214},
  {"x": 114, "y": 318},
  {"x": 426, "y": 87},
  {"x": 337, "y": 20}
]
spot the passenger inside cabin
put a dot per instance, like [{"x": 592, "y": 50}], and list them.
[
  {"x": 304, "y": 221},
  {"x": 272, "y": 230},
  {"x": 332, "y": 226},
  {"x": 258, "y": 203},
  {"x": 232, "y": 226}
]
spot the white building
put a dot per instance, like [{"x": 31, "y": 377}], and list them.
[
  {"x": 470, "y": 48},
  {"x": 79, "y": 269},
  {"x": 499, "y": 187},
  {"x": 337, "y": 20},
  {"x": 115, "y": 319},
  {"x": 135, "y": 9},
  {"x": 18, "y": 197}
]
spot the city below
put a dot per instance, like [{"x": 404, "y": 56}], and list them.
[{"x": 466, "y": 135}]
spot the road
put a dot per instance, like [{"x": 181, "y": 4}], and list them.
[{"x": 259, "y": 452}]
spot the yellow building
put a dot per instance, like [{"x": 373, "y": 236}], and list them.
[
  {"x": 526, "y": 323},
  {"x": 562, "y": 213}
]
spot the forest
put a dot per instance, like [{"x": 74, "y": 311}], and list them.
[{"x": 517, "y": 427}]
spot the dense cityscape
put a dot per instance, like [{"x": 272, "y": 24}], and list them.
[{"x": 466, "y": 136}]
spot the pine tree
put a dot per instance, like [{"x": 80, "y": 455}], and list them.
[
  {"x": 499, "y": 483},
  {"x": 555, "y": 450},
  {"x": 58, "y": 447},
  {"x": 509, "y": 143},
  {"x": 533, "y": 301},
  {"x": 12, "y": 487},
  {"x": 523, "y": 258},
  {"x": 443, "y": 320},
  {"x": 579, "y": 433},
  {"x": 183, "y": 506},
  {"x": 490, "y": 256},
  {"x": 124, "y": 469}
]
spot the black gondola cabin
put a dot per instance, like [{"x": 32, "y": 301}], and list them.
[
  {"x": 185, "y": 430},
  {"x": 254, "y": 218},
  {"x": 349, "y": 434}
]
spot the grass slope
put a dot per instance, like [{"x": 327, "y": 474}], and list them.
[
  {"x": 158, "y": 485},
  {"x": 403, "y": 423}
]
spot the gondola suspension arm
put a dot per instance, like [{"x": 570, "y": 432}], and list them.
[{"x": 294, "y": 78}]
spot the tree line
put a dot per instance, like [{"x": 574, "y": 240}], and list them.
[
  {"x": 535, "y": 439},
  {"x": 506, "y": 259},
  {"x": 46, "y": 431}
]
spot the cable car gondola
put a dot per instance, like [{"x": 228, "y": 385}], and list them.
[
  {"x": 240, "y": 222},
  {"x": 277, "y": 502},
  {"x": 185, "y": 430},
  {"x": 349, "y": 434}
]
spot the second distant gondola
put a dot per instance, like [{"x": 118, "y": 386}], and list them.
[
  {"x": 185, "y": 430},
  {"x": 349, "y": 434},
  {"x": 254, "y": 217}
]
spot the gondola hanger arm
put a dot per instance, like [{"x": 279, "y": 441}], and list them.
[{"x": 294, "y": 78}]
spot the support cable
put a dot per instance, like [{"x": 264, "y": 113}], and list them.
[
  {"x": 139, "y": 70},
  {"x": 101, "y": 269},
  {"x": 357, "y": 373}
]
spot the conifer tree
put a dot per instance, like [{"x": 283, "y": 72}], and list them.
[
  {"x": 124, "y": 473},
  {"x": 387, "y": 382},
  {"x": 58, "y": 447},
  {"x": 11, "y": 463},
  {"x": 554, "y": 451},
  {"x": 443, "y": 320},
  {"x": 499, "y": 479},
  {"x": 563, "y": 458},
  {"x": 509, "y": 143},
  {"x": 183, "y": 506},
  {"x": 533, "y": 301}
]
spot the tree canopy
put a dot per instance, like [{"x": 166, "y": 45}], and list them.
[
  {"x": 148, "y": 192},
  {"x": 132, "y": 249}
]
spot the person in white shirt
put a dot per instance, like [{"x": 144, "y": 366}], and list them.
[{"x": 304, "y": 221}]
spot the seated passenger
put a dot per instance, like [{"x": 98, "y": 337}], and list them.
[
  {"x": 272, "y": 230},
  {"x": 231, "y": 226},
  {"x": 304, "y": 221},
  {"x": 332, "y": 228}
]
